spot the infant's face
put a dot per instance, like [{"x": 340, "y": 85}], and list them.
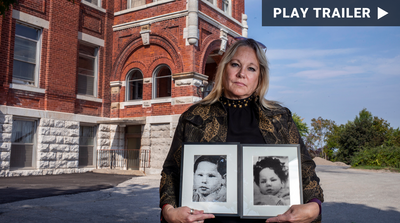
[
  {"x": 207, "y": 179},
  {"x": 270, "y": 183}
]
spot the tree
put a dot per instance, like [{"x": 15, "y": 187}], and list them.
[
  {"x": 320, "y": 129},
  {"x": 365, "y": 131},
  {"x": 6, "y": 4},
  {"x": 301, "y": 126}
]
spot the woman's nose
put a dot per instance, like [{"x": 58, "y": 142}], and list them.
[{"x": 241, "y": 74}]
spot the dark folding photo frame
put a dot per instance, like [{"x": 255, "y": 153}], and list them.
[
  {"x": 258, "y": 201},
  {"x": 224, "y": 201}
]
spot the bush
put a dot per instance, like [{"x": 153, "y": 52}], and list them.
[{"x": 383, "y": 156}]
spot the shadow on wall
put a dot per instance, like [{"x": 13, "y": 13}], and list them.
[{"x": 333, "y": 212}]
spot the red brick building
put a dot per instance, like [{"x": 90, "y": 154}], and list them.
[{"x": 100, "y": 83}]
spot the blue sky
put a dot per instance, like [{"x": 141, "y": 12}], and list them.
[{"x": 332, "y": 72}]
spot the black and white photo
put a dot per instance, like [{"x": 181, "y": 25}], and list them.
[
  {"x": 209, "y": 184},
  {"x": 210, "y": 178},
  {"x": 271, "y": 180}
]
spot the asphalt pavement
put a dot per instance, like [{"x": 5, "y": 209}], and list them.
[{"x": 352, "y": 196}]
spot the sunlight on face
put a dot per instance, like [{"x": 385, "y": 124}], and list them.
[
  {"x": 207, "y": 179},
  {"x": 241, "y": 74},
  {"x": 270, "y": 183}
]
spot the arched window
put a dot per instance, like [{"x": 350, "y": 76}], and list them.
[
  {"x": 134, "y": 85},
  {"x": 162, "y": 82}
]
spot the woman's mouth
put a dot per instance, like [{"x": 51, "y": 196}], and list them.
[{"x": 240, "y": 84}]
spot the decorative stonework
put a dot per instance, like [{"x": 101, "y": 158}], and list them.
[
  {"x": 224, "y": 40},
  {"x": 145, "y": 33}
]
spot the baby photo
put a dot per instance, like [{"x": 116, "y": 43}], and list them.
[
  {"x": 271, "y": 180},
  {"x": 209, "y": 184}
]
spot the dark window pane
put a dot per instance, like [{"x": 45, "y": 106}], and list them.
[
  {"x": 86, "y": 66},
  {"x": 86, "y": 135},
  {"x": 88, "y": 50},
  {"x": 164, "y": 87},
  {"x": 85, "y": 85},
  {"x": 135, "y": 90},
  {"x": 26, "y": 31},
  {"x": 23, "y": 131},
  {"x": 134, "y": 129},
  {"x": 86, "y": 155},
  {"x": 25, "y": 50},
  {"x": 23, "y": 70},
  {"x": 135, "y": 75},
  {"x": 21, "y": 156}
]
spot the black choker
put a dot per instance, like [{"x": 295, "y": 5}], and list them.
[{"x": 236, "y": 103}]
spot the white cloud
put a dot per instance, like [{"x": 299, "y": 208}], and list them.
[
  {"x": 329, "y": 72},
  {"x": 300, "y": 54}
]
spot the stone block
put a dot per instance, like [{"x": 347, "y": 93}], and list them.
[
  {"x": 60, "y": 164},
  {"x": 72, "y": 164},
  {"x": 146, "y": 134},
  {"x": 103, "y": 142},
  {"x": 60, "y": 156},
  {"x": 72, "y": 133},
  {"x": 104, "y": 135},
  {"x": 45, "y": 122},
  {"x": 4, "y": 165},
  {"x": 43, "y": 164},
  {"x": 56, "y": 132},
  {"x": 44, "y": 130},
  {"x": 71, "y": 140},
  {"x": 5, "y": 137},
  {"x": 6, "y": 128},
  {"x": 104, "y": 148},
  {"x": 52, "y": 164},
  {"x": 104, "y": 128},
  {"x": 47, "y": 172},
  {"x": 71, "y": 125},
  {"x": 46, "y": 139},
  {"x": 59, "y": 124},
  {"x": 160, "y": 127},
  {"x": 60, "y": 139},
  {"x": 7, "y": 119},
  {"x": 114, "y": 128},
  {"x": 5, "y": 156},
  {"x": 145, "y": 142},
  {"x": 74, "y": 148},
  {"x": 5, "y": 146}
]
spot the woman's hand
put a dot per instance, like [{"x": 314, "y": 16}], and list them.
[
  {"x": 303, "y": 213},
  {"x": 183, "y": 215}
]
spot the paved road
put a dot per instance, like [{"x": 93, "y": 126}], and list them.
[{"x": 350, "y": 196}]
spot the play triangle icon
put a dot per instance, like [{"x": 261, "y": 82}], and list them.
[{"x": 381, "y": 13}]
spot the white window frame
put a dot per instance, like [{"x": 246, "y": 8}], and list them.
[
  {"x": 96, "y": 67},
  {"x": 129, "y": 4},
  {"x": 228, "y": 10},
  {"x": 36, "y": 75},
  {"x": 127, "y": 86},
  {"x": 34, "y": 143},
  {"x": 94, "y": 145},
  {"x": 90, "y": 2},
  {"x": 154, "y": 88}
]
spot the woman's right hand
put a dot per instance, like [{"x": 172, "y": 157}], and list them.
[{"x": 183, "y": 215}]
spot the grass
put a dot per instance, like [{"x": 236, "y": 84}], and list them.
[{"x": 391, "y": 169}]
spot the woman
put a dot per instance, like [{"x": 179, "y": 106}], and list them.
[
  {"x": 271, "y": 178},
  {"x": 236, "y": 111},
  {"x": 209, "y": 179}
]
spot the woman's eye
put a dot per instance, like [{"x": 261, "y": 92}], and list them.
[
  {"x": 273, "y": 180},
  {"x": 211, "y": 175},
  {"x": 200, "y": 175},
  {"x": 252, "y": 69},
  {"x": 234, "y": 64},
  {"x": 263, "y": 181}
]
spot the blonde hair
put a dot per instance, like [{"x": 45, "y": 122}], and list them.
[{"x": 263, "y": 80}]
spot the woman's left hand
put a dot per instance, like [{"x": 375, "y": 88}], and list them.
[{"x": 303, "y": 213}]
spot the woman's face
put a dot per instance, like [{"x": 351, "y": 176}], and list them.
[
  {"x": 270, "y": 183},
  {"x": 207, "y": 179},
  {"x": 241, "y": 74}
]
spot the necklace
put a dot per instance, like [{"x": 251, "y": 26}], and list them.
[{"x": 236, "y": 103}]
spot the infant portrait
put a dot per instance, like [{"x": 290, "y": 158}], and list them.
[
  {"x": 271, "y": 180},
  {"x": 209, "y": 180}
]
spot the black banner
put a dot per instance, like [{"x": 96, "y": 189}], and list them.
[{"x": 330, "y": 13}]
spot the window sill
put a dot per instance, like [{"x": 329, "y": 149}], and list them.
[
  {"x": 142, "y": 7},
  {"x": 228, "y": 15},
  {"x": 27, "y": 88},
  {"x": 94, "y": 6},
  {"x": 89, "y": 98}
]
